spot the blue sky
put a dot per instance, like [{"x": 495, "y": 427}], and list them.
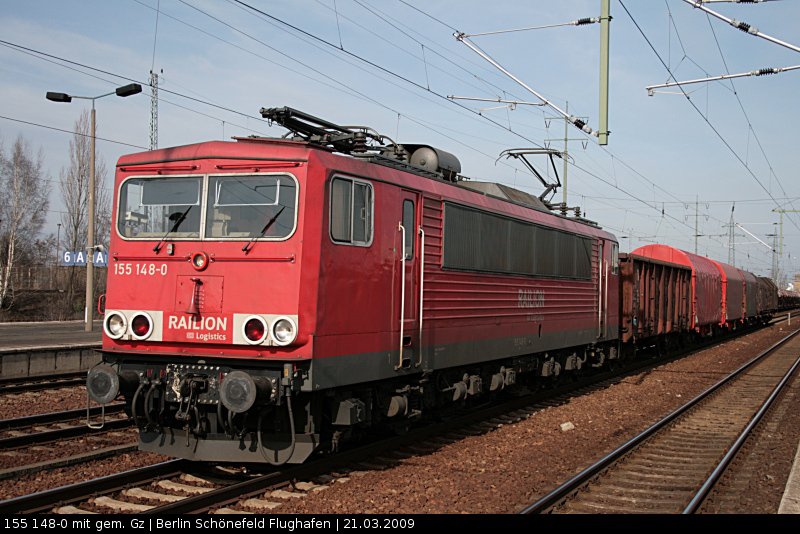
[{"x": 662, "y": 154}]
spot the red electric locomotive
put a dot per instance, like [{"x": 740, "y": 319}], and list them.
[{"x": 267, "y": 298}]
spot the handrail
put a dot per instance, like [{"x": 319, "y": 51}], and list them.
[
  {"x": 600, "y": 292},
  {"x": 605, "y": 307},
  {"x": 421, "y": 288},
  {"x": 402, "y": 291}
]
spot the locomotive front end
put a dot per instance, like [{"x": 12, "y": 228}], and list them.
[{"x": 205, "y": 332}]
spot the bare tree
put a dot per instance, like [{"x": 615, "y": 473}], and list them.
[
  {"x": 24, "y": 192},
  {"x": 74, "y": 186}
]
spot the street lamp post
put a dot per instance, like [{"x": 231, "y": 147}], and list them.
[
  {"x": 126, "y": 90},
  {"x": 58, "y": 243}
]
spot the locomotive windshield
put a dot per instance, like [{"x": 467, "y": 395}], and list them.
[
  {"x": 151, "y": 207},
  {"x": 235, "y": 207},
  {"x": 243, "y": 206}
]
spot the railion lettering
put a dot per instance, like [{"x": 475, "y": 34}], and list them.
[{"x": 202, "y": 323}]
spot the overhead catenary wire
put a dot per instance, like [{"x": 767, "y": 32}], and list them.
[
  {"x": 375, "y": 65},
  {"x": 578, "y": 123},
  {"x": 249, "y": 116},
  {"x": 130, "y": 79},
  {"x": 348, "y": 87},
  {"x": 732, "y": 89},
  {"x": 757, "y": 72},
  {"x": 739, "y": 25},
  {"x": 72, "y": 132},
  {"x": 328, "y": 44},
  {"x": 111, "y": 82},
  {"x": 396, "y": 25},
  {"x": 72, "y": 67},
  {"x": 578, "y": 22},
  {"x": 744, "y": 112},
  {"x": 612, "y": 155},
  {"x": 413, "y": 119},
  {"x": 694, "y": 106}
]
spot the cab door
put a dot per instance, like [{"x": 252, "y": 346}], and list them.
[{"x": 408, "y": 257}]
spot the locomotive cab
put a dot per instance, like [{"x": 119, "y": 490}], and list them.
[{"x": 205, "y": 277}]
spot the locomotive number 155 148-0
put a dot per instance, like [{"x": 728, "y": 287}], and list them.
[{"x": 140, "y": 269}]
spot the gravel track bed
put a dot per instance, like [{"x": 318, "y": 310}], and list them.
[
  {"x": 506, "y": 469},
  {"x": 43, "y": 401},
  {"x": 62, "y": 449},
  {"x": 62, "y": 476},
  {"x": 498, "y": 472},
  {"x": 755, "y": 481}
]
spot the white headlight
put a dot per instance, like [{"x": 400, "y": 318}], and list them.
[
  {"x": 115, "y": 325},
  {"x": 284, "y": 331}
]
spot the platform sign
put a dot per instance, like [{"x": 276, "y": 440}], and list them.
[{"x": 78, "y": 258}]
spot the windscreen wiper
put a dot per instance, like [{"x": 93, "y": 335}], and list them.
[
  {"x": 246, "y": 247},
  {"x": 175, "y": 226}
]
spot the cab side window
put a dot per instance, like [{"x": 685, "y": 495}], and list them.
[
  {"x": 408, "y": 225},
  {"x": 351, "y": 212}
]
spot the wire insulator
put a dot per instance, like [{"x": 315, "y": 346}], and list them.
[
  {"x": 745, "y": 27},
  {"x": 766, "y": 71},
  {"x": 586, "y": 20},
  {"x": 579, "y": 123}
]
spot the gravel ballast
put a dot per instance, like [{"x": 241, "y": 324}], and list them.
[{"x": 506, "y": 469}]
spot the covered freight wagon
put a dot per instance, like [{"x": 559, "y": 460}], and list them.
[
  {"x": 656, "y": 298},
  {"x": 767, "y": 299},
  {"x": 751, "y": 287},
  {"x": 706, "y": 283},
  {"x": 732, "y": 310}
]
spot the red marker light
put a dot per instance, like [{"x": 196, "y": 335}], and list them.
[
  {"x": 255, "y": 330},
  {"x": 140, "y": 326}
]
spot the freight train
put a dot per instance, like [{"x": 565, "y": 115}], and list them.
[{"x": 270, "y": 298}]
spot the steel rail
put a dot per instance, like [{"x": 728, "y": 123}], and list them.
[
  {"x": 715, "y": 475},
  {"x": 61, "y": 434},
  {"x": 45, "y": 500},
  {"x": 31, "y": 378},
  {"x": 56, "y": 417},
  {"x": 35, "y": 383},
  {"x": 234, "y": 493},
  {"x": 569, "y": 487}
]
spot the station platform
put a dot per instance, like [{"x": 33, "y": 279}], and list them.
[
  {"x": 35, "y": 349},
  {"x": 23, "y": 336},
  {"x": 790, "y": 503}
]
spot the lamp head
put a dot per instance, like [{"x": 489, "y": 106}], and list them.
[
  {"x": 128, "y": 90},
  {"x": 58, "y": 97}
]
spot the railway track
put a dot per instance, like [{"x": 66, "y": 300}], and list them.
[
  {"x": 183, "y": 487},
  {"x": 672, "y": 466},
  {"x": 55, "y": 426},
  {"x": 37, "y": 383}
]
